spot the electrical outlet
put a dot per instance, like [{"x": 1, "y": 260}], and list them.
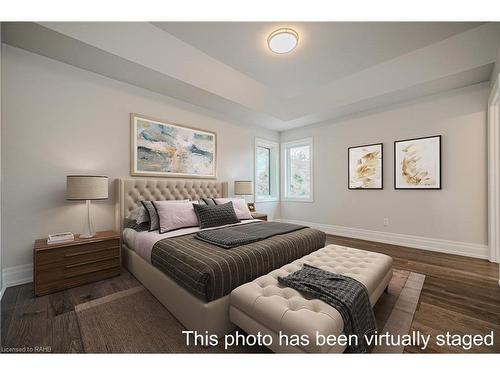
[{"x": 386, "y": 221}]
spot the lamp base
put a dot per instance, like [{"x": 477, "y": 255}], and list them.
[{"x": 88, "y": 230}]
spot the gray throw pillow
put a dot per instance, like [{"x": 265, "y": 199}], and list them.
[
  {"x": 215, "y": 216},
  {"x": 209, "y": 201},
  {"x": 139, "y": 215},
  {"x": 138, "y": 227},
  {"x": 154, "y": 221}
]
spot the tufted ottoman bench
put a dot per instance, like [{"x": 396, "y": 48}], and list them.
[{"x": 264, "y": 306}]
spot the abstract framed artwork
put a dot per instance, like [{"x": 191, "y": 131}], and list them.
[
  {"x": 164, "y": 149},
  {"x": 417, "y": 163},
  {"x": 365, "y": 167}
]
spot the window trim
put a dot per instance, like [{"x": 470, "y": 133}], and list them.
[
  {"x": 284, "y": 169},
  {"x": 274, "y": 149}
]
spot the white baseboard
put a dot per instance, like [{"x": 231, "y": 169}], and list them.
[
  {"x": 434, "y": 244},
  {"x": 17, "y": 275}
]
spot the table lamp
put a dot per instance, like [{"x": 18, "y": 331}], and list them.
[
  {"x": 244, "y": 188},
  {"x": 87, "y": 188}
]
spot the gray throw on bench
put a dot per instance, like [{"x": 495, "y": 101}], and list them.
[
  {"x": 245, "y": 234},
  {"x": 347, "y": 295}
]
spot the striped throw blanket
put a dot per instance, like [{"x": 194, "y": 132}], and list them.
[
  {"x": 209, "y": 272},
  {"x": 244, "y": 234},
  {"x": 347, "y": 295}
]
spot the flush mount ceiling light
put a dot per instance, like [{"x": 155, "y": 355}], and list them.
[{"x": 283, "y": 40}]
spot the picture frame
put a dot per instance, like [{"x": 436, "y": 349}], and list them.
[
  {"x": 162, "y": 148},
  {"x": 417, "y": 163},
  {"x": 365, "y": 169}
]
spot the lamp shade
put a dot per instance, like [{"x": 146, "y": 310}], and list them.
[
  {"x": 80, "y": 187},
  {"x": 243, "y": 187}
]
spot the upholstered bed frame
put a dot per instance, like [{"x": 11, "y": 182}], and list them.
[{"x": 193, "y": 313}]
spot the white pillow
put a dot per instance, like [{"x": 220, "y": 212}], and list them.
[
  {"x": 175, "y": 215},
  {"x": 139, "y": 214},
  {"x": 240, "y": 207}
]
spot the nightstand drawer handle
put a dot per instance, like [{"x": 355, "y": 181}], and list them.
[
  {"x": 91, "y": 271},
  {"x": 91, "y": 262},
  {"x": 90, "y": 252}
]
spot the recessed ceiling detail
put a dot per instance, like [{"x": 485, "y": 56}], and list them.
[
  {"x": 283, "y": 40},
  {"x": 221, "y": 69}
]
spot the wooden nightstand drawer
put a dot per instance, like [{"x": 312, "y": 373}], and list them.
[
  {"x": 66, "y": 265},
  {"x": 60, "y": 271},
  {"x": 53, "y": 285},
  {"x": 259, "y": 216},
  {"x": 78, "y": 253}
]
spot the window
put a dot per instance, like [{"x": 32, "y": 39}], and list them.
[
  {"x": 263, "y": 171},
  {"x": 266, "y": 170},
  {"x": 298, "y": 170}
]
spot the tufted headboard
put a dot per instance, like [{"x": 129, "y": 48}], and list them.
[{"x": 131, "y": 192}]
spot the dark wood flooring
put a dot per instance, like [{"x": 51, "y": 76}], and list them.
[
  {"x": 460, "y": 295},
  {"x": 38, "y": 323}
]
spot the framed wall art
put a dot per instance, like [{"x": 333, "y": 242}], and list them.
[
  {"x": 164, "y": 149},
  {"x": 417, "y": 163},
  {"x": 365, "y": 169}
]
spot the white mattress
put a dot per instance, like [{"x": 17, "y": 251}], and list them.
[{"x": 142, "y": 242}]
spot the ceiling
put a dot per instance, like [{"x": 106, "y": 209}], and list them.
[
  {"x": 226, "y": 71},
  {"x": 326, "y": 52}
]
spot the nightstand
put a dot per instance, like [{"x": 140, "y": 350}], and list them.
[
  {"x": 69, "y": 264},
  {"x": 259, "y": 216}
]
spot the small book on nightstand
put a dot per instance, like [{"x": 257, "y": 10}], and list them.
[{"x": 60, "y": 237}]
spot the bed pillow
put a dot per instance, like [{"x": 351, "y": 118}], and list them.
[
  {"x": 240, "y": 207},
  {"x": 132, "y": 224},
  {"x": 154, "y": 221},
  {"x": 175, "y": 215},
  {"x": 139, "y": 215},
  {"x": 209, "y": 201},
  {"x": 215, "y": 216}
]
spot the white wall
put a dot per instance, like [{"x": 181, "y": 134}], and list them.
[
  {"x": 59, "y": 120},
  {"x": 458, "y": 212}
]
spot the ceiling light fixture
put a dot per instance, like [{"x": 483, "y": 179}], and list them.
[{"x": 283, "y": 40}]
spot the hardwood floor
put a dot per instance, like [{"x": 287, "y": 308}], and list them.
[
  {"x": 460, "y": 295},
  {"x": 49, "y": 323}
]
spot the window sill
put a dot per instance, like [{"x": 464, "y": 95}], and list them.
[
  {"x": 266, "y": 200},
  {"x": 305, "y": 200}
]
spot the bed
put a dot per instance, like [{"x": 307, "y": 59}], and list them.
[{"x": 198, "y": 310}]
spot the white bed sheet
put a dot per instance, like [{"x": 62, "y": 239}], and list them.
[{"x": 142, "y": 242}]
